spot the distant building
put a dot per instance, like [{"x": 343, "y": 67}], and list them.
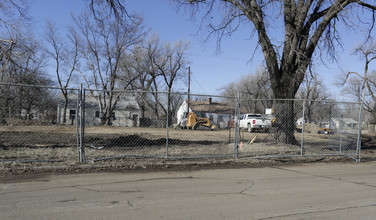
[
  {"x": 300, "y": 121},
  {"x": 219, "y": 113},
  {"x": 126, "y": 113},
  {"x": 345, "y": 124}
]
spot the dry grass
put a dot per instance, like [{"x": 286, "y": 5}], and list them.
[{"x": 59, "y": 143}]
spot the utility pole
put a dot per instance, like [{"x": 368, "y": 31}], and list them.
[{"x": 189, "y": 85}]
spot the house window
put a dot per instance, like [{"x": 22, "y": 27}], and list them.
[
  {"x": 72, "y": 114},
  {"x": 97, "y": 114}
]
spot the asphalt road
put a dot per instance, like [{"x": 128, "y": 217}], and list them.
[{"x": 310, "y": 191}]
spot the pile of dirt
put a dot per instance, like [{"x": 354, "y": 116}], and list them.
[
  {"x": 309, "y": 128},
  {"x": 368, "y": 141},
  {"x": 140, "y": 140}
]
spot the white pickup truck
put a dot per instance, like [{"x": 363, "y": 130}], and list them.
[{"x": 255, "y": 122}]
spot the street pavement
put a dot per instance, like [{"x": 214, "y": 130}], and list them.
[{"x": 308, "y": 191}]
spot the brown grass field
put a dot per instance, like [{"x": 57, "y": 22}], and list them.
[{"x": 59, "y": 143}]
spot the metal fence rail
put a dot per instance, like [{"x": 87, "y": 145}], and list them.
[{"x": 41, "y": 124}]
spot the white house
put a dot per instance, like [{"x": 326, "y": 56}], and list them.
[
  {"x": 125, "y": 114},
  {"x": 324, "y": 124},
  {"x": 219, "y": 113},
  {"x": 346, "y": 124}
]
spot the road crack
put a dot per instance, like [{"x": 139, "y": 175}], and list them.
[
  {"x": 328, "y": 177},
  {"x": 322, "y": 211}
]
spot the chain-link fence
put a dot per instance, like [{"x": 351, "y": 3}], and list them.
[
  {"x": 299, "y": 128},
  {"x": 31, "y": 128},
  {"x": 53, "y": 124},
  {"x": 155, "y": 125}
]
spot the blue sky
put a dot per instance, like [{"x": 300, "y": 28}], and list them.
[{"x": 210, "y": 70}]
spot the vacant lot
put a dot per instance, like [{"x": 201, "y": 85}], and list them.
[{"x": 59, "y": 143}]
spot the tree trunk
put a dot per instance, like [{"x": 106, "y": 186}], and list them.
[
  {"x": 65, "y": 108},
  {"x": 285, "y": 123},
  {"x": 309, "y": 112},
  {"x": 284, "y": 89},
  {"x": 107, "y": 120}
]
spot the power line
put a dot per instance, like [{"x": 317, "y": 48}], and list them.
[{"x": 194, "y": 78}]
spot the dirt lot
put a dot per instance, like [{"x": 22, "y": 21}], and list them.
[{"x": 29, "y": 148}]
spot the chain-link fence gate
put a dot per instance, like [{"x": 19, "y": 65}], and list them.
[{"x": 55, "y": 124}]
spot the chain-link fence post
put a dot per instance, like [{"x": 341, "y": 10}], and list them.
[
  {"x": 341, "y": 134},
  {"x": 167, "y": 125},
  {"x": 78, "y": 123},
  {"x": 236, "y": 127},
  {"x": 302, "y": 139},
  {"x": 359, "y": 144},
  {"x": 82, "y": 124}
]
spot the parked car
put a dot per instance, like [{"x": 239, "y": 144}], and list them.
[{"x": 255, "y": 122}]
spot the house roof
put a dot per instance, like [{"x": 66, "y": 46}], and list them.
[
  {"x": 346, "y": 120},
  {"x": 211, "y": 107},
  {"x": 126, "y": 102}
]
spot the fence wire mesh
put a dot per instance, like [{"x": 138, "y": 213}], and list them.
[
  {"x": 331, "y": 128},
  {"x": 204, "y": 127},
  {"x": 70, "y": 125},
  {"x": 298, "y": 127},
  {"x": 29, "y": 120},
  {"x": 125, "y": 124},
  {"x": 153, "y": 126}
]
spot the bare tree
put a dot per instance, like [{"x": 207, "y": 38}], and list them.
[
  {"x": 115, "y": 7},
  {"x": 171, "y": 63},
  {"x": 153, "y": 68},
  {"x": 364, "y": 84},
  {"x": 104, "y": 43},
  {"x": 65, "y": 56},
  {"x": 13, "y": 37},
  {"x": 311, "y": 91},
  {"x": 140, "y": 73},
  {"x": 254, "y": 90},
  {"x": 21, "y": 60},
  {"x": 305, "y": 26},
  {"x": 26, "y": 69}
]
